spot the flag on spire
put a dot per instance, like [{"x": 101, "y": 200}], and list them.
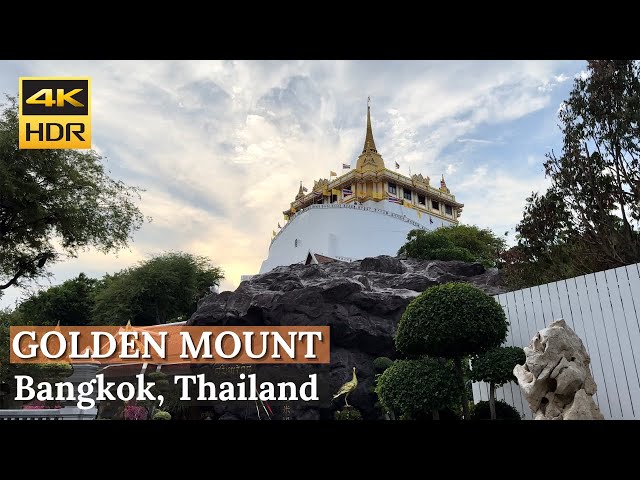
[
  {"x": 305, "y": 189},
  {"x": 332, "y": 174},
  {"x": 279, "y": 225},
  {"x": 397, "y": 165},
  {"x": 345, "y": 166}
]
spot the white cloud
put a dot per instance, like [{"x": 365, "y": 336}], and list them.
[
  {"x": 474, "y": 140},
  {"x": 495, "y": 198},
  {"x": 582, "y": 74}
]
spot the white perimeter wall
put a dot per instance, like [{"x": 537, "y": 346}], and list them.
[
  {"x": 345, "y": 230},
  {"x": 604, "y": 310}
]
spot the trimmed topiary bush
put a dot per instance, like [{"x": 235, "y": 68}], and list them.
[
  {"x": 348, "y": 413},
  {"x": 380, "y": 364},
  {"x": 496, "y": 368},
  {"x": 161, "y": 415},
  {"x": 415, "y": 388},
  {"x": 452, "y": 321},
  {"x": 504, "y": 411},
  {"x": 496, "y": 365}
]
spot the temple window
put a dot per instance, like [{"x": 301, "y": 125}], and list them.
[
  {"x": 435, "y": 205},
  {"x": 421, "y": 200},
  {"x": 392, "y": 188},
  {"x": 448, "y": 210},
  {"x": 407, "y": 194}
]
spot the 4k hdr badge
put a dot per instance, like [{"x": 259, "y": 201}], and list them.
[{"x": 55, "y": 112}]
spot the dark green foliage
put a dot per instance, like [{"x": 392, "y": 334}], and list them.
[
  {"x": 588, "y": 219},
  {"x": 504, "y": 411},
  {"x": 70, "y": 303},
  {"x": 56, "y": 202},
  {"x": 451, "y": 320},
  {"x": 496, "y": 365},
  {"x": 459, "y": 242},
  {"x": 380, "y": 364},
  {"x": 161, "y": 415},
  {"x": 451, "y": 253},
  {"x": 348, "y": 413},
  {"x": 163, "y": 289},
  {"x": 414, "y": 388},
  {"x": 50, "y": 372}
]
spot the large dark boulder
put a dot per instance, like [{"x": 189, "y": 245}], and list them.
[
  {"x": 361, "y": 301},
  {"x": 383, "y": 263}
]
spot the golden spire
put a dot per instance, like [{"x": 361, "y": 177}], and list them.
[
  {"x": 369, "y": 158},
  {"x": 369, "y": 144},
  {"x": 443, "y": 185}
]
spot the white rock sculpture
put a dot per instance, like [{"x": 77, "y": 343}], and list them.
[{"x": 555, "y": 379}]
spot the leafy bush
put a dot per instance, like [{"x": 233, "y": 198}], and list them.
[
  {"x": 161, "y": 415},
  {"x": 160, "y": 378},
  {"x": 496, "y": 365},
  {"x": 504, "y": 411},
  {"x": 348, "y": 413},
  {"x": 451, "y": 320},
  {"x": 414, "y": 388},
  {"x": 451, "y": 253},
  {"x": 380, "y": 364},
  {"x": 457, "y": 242}
]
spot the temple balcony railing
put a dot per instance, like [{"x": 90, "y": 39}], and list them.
[{"x": 324, "y": 206}]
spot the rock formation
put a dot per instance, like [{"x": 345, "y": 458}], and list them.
[
  {"x": 361, "y": 301},
  {"x": 555, "y": 379}
]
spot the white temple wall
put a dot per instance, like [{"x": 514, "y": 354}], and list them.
[{"x": 349, "y": 231}]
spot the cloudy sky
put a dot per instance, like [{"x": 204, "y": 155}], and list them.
[{"x": 221, "y": 146}]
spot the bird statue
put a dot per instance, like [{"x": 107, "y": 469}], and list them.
[{"x": 347, "y": 388}]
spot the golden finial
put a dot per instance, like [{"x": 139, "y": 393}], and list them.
[
  {"x": 443, "y": 185},
  {"x": 369, "y": 144}
]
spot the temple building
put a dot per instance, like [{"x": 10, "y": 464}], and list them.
[{"x": 365, "y": 212}]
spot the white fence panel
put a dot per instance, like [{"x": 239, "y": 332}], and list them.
[{"x": 604, "y": 310}]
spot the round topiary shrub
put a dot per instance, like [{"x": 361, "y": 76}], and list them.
[
  {"x": 380, "y": 364},
  {"x": 161, "y": 415},
  {"x": 496, "y": 365},
  {"x": 452, "y": 321},
  {"x": 348, "y": 413},
  {"x": 504, "y": 411},
  {"x": 414, "y": 388}
]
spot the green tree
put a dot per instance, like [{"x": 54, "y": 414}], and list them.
[
  {"x": 70, "y": 303},
  {"x": 414, "y": 388},
  {"x": 457, "y": 242},
  {"x": 588, "y": 218},
  {"x": 495, "y": 367},
  {"x": 56, "y": 197},
  {"x": 163, "y": 289},
  {"x": 45, "y": 372},
  {"x": 453, "y": 320}
]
